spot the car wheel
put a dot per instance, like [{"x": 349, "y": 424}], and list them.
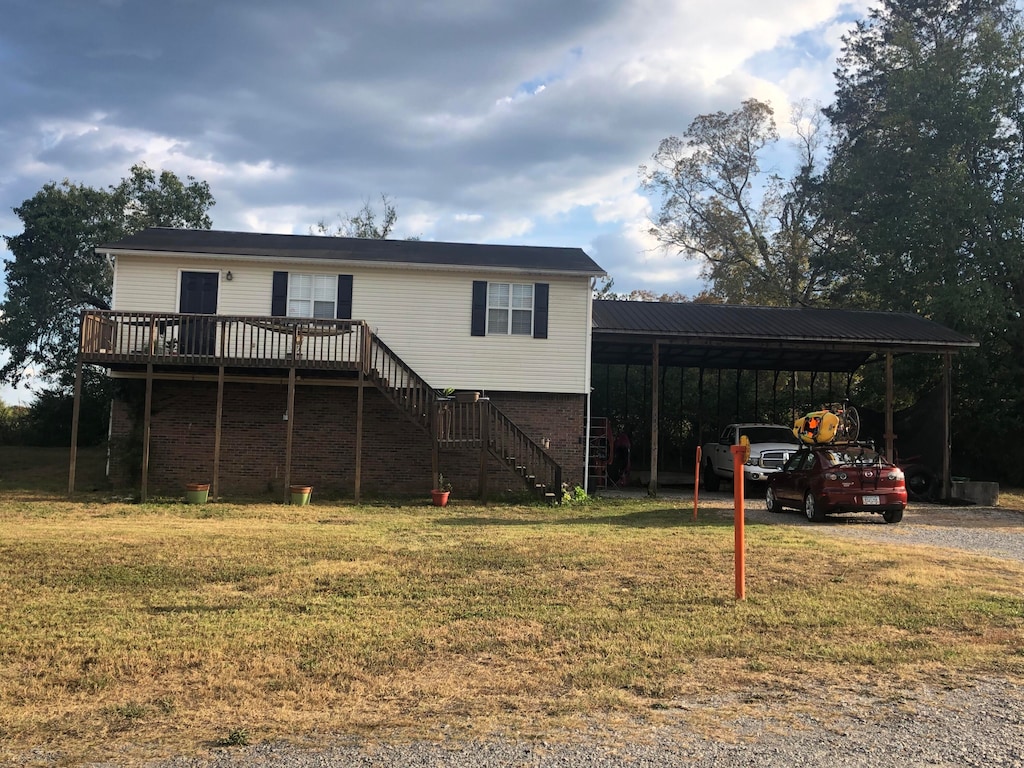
[
  {"x": 711, "y": 481},
  {"x": 771, "y": 502},
  {"x": 893, "y": 517},
  {"x": 814, "y": 514}
]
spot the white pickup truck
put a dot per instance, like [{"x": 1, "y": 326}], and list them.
[{"x": 770, "y": 446}]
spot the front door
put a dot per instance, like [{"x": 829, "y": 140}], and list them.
[{"x": 198, "y": 297}]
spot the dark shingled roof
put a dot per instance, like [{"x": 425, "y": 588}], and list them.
[
  {"x": 420, "y": 252},
  {"x": 779, "y": 338}
]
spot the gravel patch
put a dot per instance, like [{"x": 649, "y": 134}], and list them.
[{"x": 978, "y": 726}]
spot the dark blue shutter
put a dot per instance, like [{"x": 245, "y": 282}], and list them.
[
  {"x": 540, "y": 310},
  {"x": 478, "y": 326},
  {"x": 344, "y": 297},
  {"x": 279, "y": 295}
]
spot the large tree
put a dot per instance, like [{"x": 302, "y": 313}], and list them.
[
  {"x": 759, "y": 236},
  {"x": 55, "y": 272},
  {"x": 926, "y": 177},
  {"x": 364, "y": 224}
]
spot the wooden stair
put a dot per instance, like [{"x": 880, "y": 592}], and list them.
[{"x": 466, "y": 425}]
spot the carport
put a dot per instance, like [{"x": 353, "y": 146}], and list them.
[{"x": 662, "y": 335}]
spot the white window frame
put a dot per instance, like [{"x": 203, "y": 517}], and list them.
[
  {"x": 319, "y": 287},
  {"x": 514, "y": 308}
]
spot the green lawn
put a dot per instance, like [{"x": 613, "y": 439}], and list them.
[{"x": 167, "y": 627}]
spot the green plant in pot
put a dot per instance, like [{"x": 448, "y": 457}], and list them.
[{"x": 439, "y": 494}]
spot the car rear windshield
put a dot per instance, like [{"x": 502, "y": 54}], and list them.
[
  {"x": 770, "y": 435},
  {"x": 856, "y": 456}
]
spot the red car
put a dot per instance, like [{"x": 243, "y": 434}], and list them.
[{"x": 838, "y": 478}]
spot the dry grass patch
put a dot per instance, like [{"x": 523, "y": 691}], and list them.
[{"x": 175, "y": 627}]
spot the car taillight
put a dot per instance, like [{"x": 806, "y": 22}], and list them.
[{"x": 835, "y": 475}]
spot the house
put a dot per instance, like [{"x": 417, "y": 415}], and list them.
[{"x": 254, "y": 360}]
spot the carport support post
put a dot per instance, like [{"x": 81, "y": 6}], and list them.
[
  {"x": 890, "y": 435},
  {"x": 947, "y": 384},
  {"x": 652, "y": 488}
]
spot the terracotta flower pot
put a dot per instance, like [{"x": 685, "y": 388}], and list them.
[
  {"x": 439, "y": 497},
  {"x": 300, "y": 494},
  {"x": 197, "y": 493}
]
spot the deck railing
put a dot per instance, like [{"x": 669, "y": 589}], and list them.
[{"x": 110, "y": 337}]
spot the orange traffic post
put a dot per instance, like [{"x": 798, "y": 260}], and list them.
[
  {"x": 739, "y": 457},
  {"x": 696, "y": 484}
]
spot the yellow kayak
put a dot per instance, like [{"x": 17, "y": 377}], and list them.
[{"x": 817, "y": 428}]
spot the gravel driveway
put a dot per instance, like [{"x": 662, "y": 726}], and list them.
[{"x": 980, "y": 725}]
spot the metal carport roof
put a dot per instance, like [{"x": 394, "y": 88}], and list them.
[{"x": 760, "y": 338}]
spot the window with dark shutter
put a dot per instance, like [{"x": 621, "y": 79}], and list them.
[
  {"x": 540, "y": 310},
  {"x": 478, "y": 324},
  {"x": 279, "y": 295},
  {"x": 344, "y": 310}
]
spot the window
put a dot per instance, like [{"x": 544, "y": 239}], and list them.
[
  {"x": 510, "y": 309},
  {"x": 312, "y": 295}
]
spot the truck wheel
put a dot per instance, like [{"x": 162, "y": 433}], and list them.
[
  {"x": 920, "y": 482},
  {"x": 711, "y": 481}
]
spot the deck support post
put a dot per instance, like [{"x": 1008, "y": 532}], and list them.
[
  {"x": 147, "y": 432},
  {"x": 652, "y": 487},
  {"x": 358, "y": 482},
  {"x": 890, "y": 433},
  {"x": 289, "y": 430},
  {"x": 217, "y": 432},
  {"x": 485, "y": 439},
  {"x": 76, "y": 410}
]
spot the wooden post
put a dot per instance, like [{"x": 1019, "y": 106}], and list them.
[
  {"x": 652, "y": 487},
  {"x": 288, "y": 433},
  {"x": 358, "y": 483},
  {"x": 217, "y": 431},
  {"x": 147, "y": 430},
  {"x": 76, "y": 410},
  {"x": 890, "y": 434},
  {"x": 485, "y": 430},
  {"x": 947, "y": 396}
]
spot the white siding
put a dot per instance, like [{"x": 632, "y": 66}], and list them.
[{"x": 423, "y": 315}]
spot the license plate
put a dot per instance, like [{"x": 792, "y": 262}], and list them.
[{"x": 872, "y": 501}]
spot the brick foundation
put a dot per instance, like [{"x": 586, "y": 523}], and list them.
[{"x": 396, "y": 457}]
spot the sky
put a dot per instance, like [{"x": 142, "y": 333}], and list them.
[{"x": 489, "y": 121}]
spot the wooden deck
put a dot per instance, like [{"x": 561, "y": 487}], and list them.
[{"x": 111, "y": 338}]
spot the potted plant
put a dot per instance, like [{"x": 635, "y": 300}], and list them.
[{"x": 439, "y": 495}]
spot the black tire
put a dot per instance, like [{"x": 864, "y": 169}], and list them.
[
  {"x": 920, "y": 482},
  {"x": 811, "y": 509},
  {"x": 771, "y": 501},
  {"x": 711, "y": 480},
  {"x": 893, "y": 517}
]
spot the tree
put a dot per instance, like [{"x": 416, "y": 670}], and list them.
[
  {"x": 363, "y": 224},
  {"x": 760, "y": 236},
  {"x": 926, "y": 179},
  {"x": 56, "y": 273}
]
